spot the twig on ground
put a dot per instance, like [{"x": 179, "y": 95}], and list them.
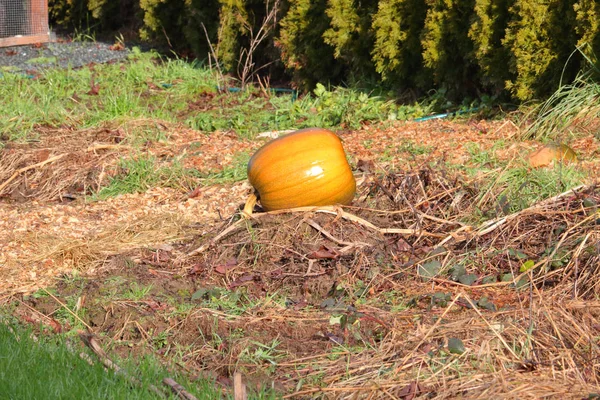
[
  {"x": 334, "y": 210},
  {"x": 329, "y": 236},
  {"x": 90, "y": 341},
  {"x": 178, "y": 389},
  {"x": 69, "y": 310}
]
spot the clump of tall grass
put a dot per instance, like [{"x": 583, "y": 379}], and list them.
[{"x": 573, "y": 108}]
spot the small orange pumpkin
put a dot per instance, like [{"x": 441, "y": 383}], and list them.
[
  {"x": 550, "y": 153},
  {"x": 304, "y": 168}
]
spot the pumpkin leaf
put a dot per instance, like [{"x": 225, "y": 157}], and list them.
[
  {"x": 429, "y": 269},
  {"x": 338, "y": 320},
  {"x": 489, "y": 279},
  {"x": 456, "y": 346},
  {"x": 486, "y": 304},
  {"x": 517, "y": 254},
  {"x": 206, "y": 293},
  {"x": 457, "y": 271},
  {"x": 467, "y": 279}
]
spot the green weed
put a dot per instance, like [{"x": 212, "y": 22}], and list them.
[
  {"x": 142, "y": 173},
  {"x": 137, "y": 292},
  {"x": 234, "y": 172}
]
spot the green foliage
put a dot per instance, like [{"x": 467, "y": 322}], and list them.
[
  {"x": 178, "y": 24},
  {"x": 70, "y": 14},
  {"x": 540, "y": 38},
  {"x": 487, "y": 31},
  {"x": 87, "y": 16},
  {"x": 397, "y": 50},
  {"x": 568, "y": 111},
  {"x": 303, "y": 50},
  {"x": 233, "y": 22},
  {"x": 587, "y": 27},
  {"x": 446, "y": 44},
  {"x": 350, "y": 34},
  {"x": 140, "y": 174}
]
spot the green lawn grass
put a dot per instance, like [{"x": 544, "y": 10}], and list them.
[
  {"x": 149, "y": 86},
  {"x": 51, "y": 368}
]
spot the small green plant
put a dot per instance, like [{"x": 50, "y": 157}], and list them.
[
  {"x": 137, "y": 292},
  {"x": 260, "y": 354},
  {"x": 41, "y": 60},
  {"x": 233, "y": 172}
]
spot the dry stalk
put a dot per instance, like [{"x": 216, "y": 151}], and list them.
[{"x": 246, "y": 60}]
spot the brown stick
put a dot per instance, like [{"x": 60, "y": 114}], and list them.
[
  {"x": 91, "y": 342},
  {"x": 178, "y": 389}
]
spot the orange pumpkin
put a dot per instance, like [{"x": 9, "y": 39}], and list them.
[
  {"x": 550, "y": 153},
  {"x": 304, "y": 168}
]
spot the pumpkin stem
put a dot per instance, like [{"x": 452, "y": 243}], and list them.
[{"x": 249, "y": 206}]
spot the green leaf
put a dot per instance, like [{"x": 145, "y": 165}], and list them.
[
  {"x": 489, "y": 279},
  {"x": 429, "y": 269},
  {"x": 527, "y": 265},
  {"x": 457, "y": 271},
  {"x": 517, "y": 254},
  {"x": 206, "y": 293},
  {"x": 467, "y": 279},
  {"x": 486, "y": 304},
  {"x": 456, "y": 346}
]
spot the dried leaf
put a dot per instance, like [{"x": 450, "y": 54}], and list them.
[
  {"x": 55, "y": 325},
  {"x": 223, "y": 268},
  {"x": 324, "y": 252},
  {"x": 241, "y": 280},
  {"x": 410, "y": 391},
  {"x": 94, "y": 87}
]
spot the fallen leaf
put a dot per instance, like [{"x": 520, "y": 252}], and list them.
[
  {"x": 324, "y": 252},
  {"x": 94, "y": 87},
  {"x": 223, "y": 268},
  {"x": 56, "y": 326},
  {"x": 241, "y": 280},
  {"x": 156, "y": 305},
  {"x": 411, "y": 391},
  {"x": 365, "y": 166},
  {"x": 117, "y": 47}
]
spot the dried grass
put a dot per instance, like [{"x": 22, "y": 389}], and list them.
[
  {"x": 542, "y": 343},
  {"x": 68, "y": 164}
]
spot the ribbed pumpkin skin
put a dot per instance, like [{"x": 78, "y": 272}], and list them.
[{"x": 304, "y": 168}]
